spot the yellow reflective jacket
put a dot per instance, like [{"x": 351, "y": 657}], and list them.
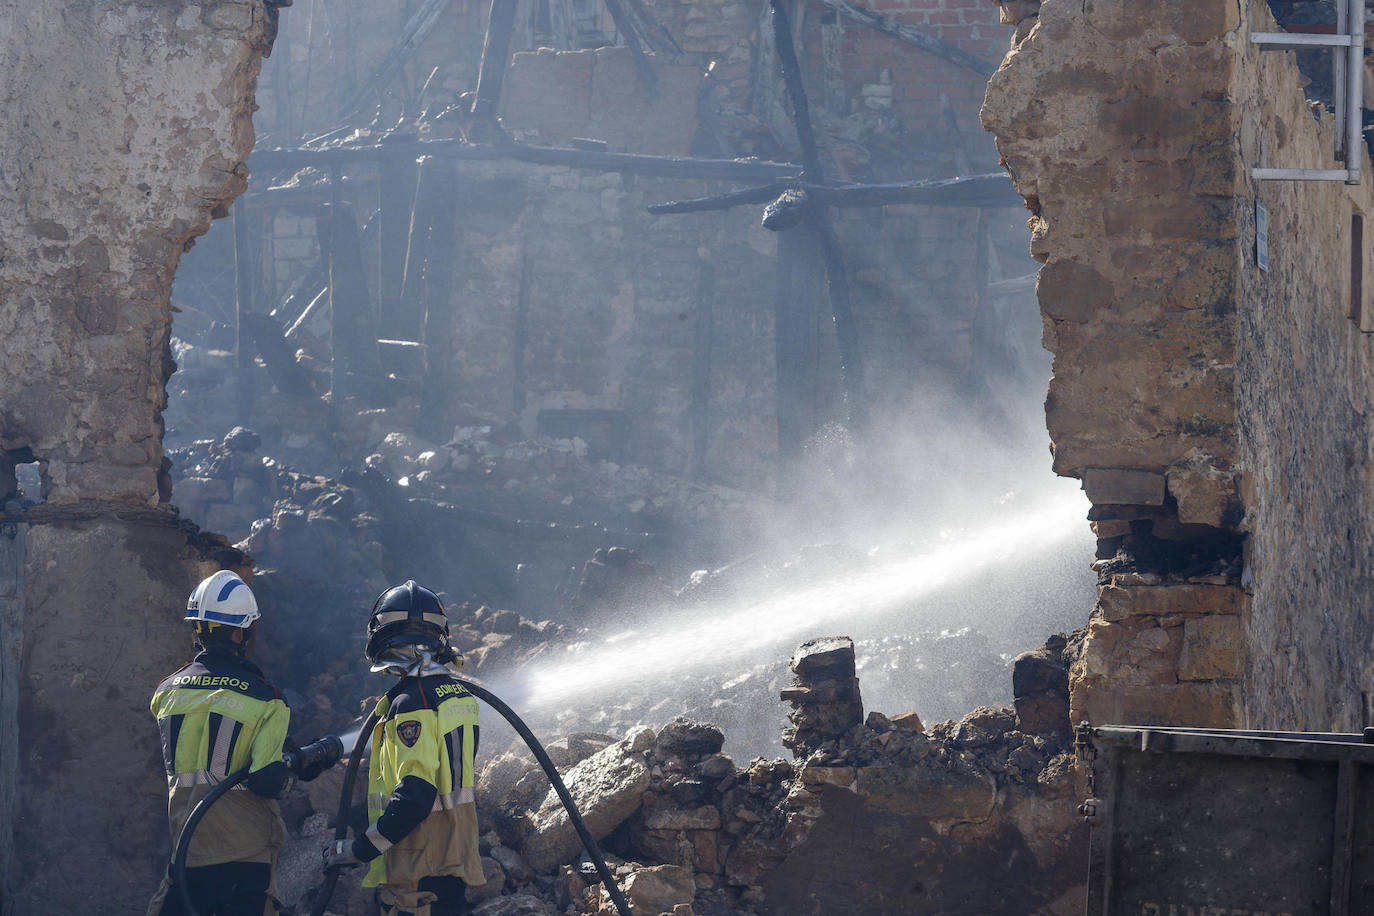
[
  {"x": 218, "y": 715},
  {"x": 427, "y": 732}
]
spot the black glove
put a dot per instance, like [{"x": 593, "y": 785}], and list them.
[{"x": 310, "y": 772}]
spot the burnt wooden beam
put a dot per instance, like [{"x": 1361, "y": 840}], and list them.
[
  {"x": 652, "y": 31},
  {"x": 914, "y": 37},
  {"x": 846, "y": 329},
  {"x": 417, "y": 251},
  {"x": 990, "y": 191},
  {"x": 595, "y": 160},
  {"x": 495, "y": 58},
  {"x": 701, "y": 366},
  {"x": 439, "y": 192},
  {"x": 298, "y": 304},
  {"x": 796, "y": 91},
  {"x": 336, "y": 370},
  {"x": 416, "y": 28},
  {"x": 243, "y": 305},
  {"x": 278, "y": 355},
  {"x": 520, "y": 339},
  {"x": 353, "y": 332},
  {"x": 837, "y": 279},
  {"x": 792, "y": 208},
  {"x": 396, "y": 180},
  {"x": 794, "y": 339},
  {"x": 627, "y": 31},
  {"x": 759, "y": 195}
]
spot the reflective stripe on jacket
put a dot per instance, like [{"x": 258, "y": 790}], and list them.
[
  {"x": 218, "y": 715},
  {"x": 429, "y": 732}
]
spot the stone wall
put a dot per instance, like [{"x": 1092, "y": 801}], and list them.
[
  {"x": 613, "y": 298},
  {"x": 568, "y": 295},
  {"x": 126, "y": 127},
  {"x": 1305, "y": 390},
  {"x": 103, "y": 207},
  {"x": 1205, "y": 404}
]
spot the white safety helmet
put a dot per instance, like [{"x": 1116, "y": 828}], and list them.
[{"x": 223, "y": 598}]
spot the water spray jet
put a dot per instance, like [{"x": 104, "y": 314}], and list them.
[{"x": 742, "y": 627}]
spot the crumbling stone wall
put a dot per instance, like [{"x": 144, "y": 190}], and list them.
[
  {"x": 1115, "y": 124},
  {"x": 126, "y": 126},
  {"x": 103, "y": 204},
  {"x": 1201, "y": 400}
]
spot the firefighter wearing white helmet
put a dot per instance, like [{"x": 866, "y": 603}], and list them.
[
  {"x": 217, "y": 715},
  {"x": 225, "y": 599}
]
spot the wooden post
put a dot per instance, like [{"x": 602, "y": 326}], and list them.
[
  {"x": 439, "y": 184},
  {"x": 337, "y": 371},
  {"x": 846, "y": 332},
  {"x": 701, "y": 367},
  {"x": 396, "y": 187},
  {"x": 495, "y": 58},
  {"x": 798, "y": 281},
  {"x": 520, "y": 339},
  {"x": 243, "y": 305},
  {"x": 417, "y": 247},
  {"x": 796, "y": 92},
  {"x": 350, "y": 298}
]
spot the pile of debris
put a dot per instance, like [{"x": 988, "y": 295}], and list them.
[
  {"x": 689, "y": 832},
  {"x": 487, "y": 465},
  {"x": 325, "y": 547}
]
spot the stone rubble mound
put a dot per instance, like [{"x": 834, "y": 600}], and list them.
[{"x": 689, "y": 832}]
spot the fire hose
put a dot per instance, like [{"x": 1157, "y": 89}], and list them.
[
  {"x": 313, "y": 753},
  {"x": 588, "y": 841},
  {"x": 326, "y": 751}
]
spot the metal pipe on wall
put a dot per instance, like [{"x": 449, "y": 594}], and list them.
[{"x": 1354, "y": 71}]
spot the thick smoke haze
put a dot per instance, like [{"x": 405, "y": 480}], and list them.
[{"x": 943, "y": 548}]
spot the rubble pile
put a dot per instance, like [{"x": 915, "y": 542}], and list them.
[
  {"x": 492, "y": 515},
  {"x": 690, "y": 832},
  {"x": 488, "y": 464}
]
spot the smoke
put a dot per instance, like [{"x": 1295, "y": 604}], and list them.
[
  {"x": 942, "y": 544},
  {"x": 895, "y": 593}
]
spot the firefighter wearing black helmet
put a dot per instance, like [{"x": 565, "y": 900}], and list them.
[{"x": 421, "y": 843}]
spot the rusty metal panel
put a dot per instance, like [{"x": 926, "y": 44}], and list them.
[{"x": 1204, "y": 822}]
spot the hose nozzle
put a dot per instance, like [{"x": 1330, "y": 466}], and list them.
[{"x": 318, "y": 755}]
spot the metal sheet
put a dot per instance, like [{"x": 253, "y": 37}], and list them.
[{"x": 1243, "y": 823}]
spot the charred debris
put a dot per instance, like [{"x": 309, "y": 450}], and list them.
[{"x": 326, "y": 434}]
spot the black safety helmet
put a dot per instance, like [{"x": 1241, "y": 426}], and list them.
[{"x": 406, "y": 615}]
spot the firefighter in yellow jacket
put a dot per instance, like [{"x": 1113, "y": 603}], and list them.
[
  {"x": 218, "y": 715},
  {"x": 421, "y": 844}
]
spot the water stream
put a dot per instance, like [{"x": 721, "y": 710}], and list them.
[{"x": 957, "y": 578}]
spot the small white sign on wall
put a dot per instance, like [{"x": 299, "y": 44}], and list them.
[{"x": 1261, "y": 236}]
